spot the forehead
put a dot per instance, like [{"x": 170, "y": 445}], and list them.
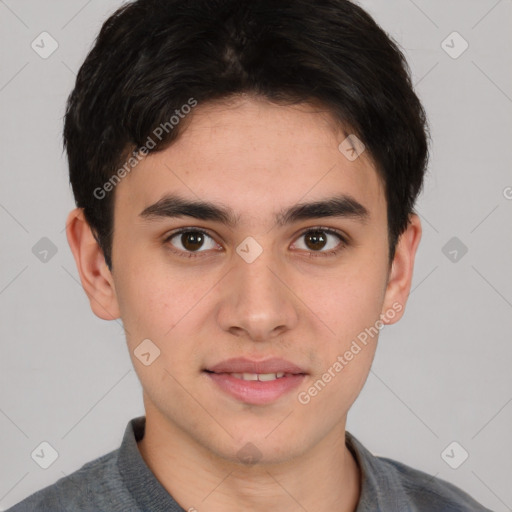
[{"x": 256, "y": 157}]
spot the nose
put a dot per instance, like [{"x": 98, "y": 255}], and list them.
[{"x": 258, "y": 304}]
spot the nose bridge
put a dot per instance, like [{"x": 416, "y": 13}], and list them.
[
  {"x": 257, "y": 278},
  {"x": 258, "y": 302}
]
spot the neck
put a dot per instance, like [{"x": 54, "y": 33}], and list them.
[{"x": 325, "y": 479}]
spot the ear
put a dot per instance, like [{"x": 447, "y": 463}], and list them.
[
  {"x": 95, "y": 275},
  {"x": 400, "y": 274}
]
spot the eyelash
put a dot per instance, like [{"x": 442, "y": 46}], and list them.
[{"x": 330, "y": 253}]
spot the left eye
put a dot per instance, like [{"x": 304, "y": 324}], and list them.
[{"x": 320, "y": 240}]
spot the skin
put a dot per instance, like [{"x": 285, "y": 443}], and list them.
[{"x": 292, "y": 302}]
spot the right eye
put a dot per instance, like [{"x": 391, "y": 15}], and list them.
[{"x": 186, "y": 241}]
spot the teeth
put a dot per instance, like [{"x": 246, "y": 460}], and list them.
[
  {"x": 258, "y": 376},
  {"x": 269, "y": 376}
]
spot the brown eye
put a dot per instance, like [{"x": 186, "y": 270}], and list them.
[
  {"x": 315, "y": 240},
  {"x": 191, "y": 241},
  {"x": 324, "y": 241}
]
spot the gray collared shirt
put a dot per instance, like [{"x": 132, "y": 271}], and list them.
[{"x": 120, "y": 481}]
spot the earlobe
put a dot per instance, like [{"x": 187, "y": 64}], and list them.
[
  {"x": 400, "y": 276},
  {"x": 95, "y": 276}
]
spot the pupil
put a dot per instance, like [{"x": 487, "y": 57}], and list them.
[
  {"x": 192, "y": 240},
  {"x": 316, "y": 240}
]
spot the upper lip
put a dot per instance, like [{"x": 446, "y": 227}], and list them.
[{"x": 243, "y": 365}]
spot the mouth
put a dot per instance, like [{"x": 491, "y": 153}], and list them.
[
  {"x": 262, "y": 377},
  {"x": 256, "y": 382}
]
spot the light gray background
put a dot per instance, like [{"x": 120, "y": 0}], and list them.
[{"x": 442, "y": 374}]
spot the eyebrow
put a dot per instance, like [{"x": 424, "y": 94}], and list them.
[{"x": 171, "y": 206}]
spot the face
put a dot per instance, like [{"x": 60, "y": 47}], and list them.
[{"x": 253, "y": 277}]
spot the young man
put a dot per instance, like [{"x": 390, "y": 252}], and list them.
[{"x": 245, "y": 174}]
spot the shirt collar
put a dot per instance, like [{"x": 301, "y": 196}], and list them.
[
  {"x": 381, "y": 488},
  {"x": 143, "y": 485}
]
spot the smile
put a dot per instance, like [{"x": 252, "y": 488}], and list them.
[{"x": 264, "y": 377}]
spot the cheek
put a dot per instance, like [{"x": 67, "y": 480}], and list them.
[
  {"x": 350, "y": 307},
  {"x": 350, "y": 301},
  {"x": 158, "y": 302},
  {"x": 149, "y": 299},
  {"x": 351, "y": 313}
]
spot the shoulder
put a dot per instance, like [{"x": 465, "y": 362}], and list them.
[
  {"x": 426, "y": 492},
  {"x": 97, "y": 485},
  {"x": 391, "y": 486}
]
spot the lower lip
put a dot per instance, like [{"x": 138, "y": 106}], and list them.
[{"x": 254, "y": 391}]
